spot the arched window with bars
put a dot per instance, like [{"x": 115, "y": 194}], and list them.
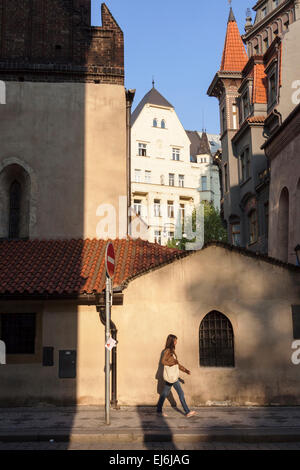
[
  {"x": 216, "y": 341},
  {"x": 14, "y": 209}
]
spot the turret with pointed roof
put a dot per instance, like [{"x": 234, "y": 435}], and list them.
[{"x": 234, "y": 56}]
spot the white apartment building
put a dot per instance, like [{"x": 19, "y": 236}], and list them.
[{"x": 171, "y": 169}]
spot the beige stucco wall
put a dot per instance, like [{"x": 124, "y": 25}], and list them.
[
  {"x": 290, "y": 70},
  {"x": 256, "y": 296},
  {"x": 71, "y": 140},
  {"x": 285, "y": 173}
]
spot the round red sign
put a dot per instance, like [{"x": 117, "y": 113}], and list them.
[{"x": 110, "y": 259}]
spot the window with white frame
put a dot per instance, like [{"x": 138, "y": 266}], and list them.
[
  {"x": 155, "y": 122},
  {"x": 170, "y": 209},
  {"x": 204, "y": 183},
  {"x": 163, "y": 124},
  {"x": 147, "y": 176},
  {"x": 142, "y": 150},
  {"x": 181, "y": 181},
  {"x": 157, "y": 208},
  {"x": 157, "y": 237},
  {"x": 170, "y": 236},
  {"x": 171, "y": 179},
  {"x": 138, "y": 176},
  {"x": 234, "y": 116},
  {"x": 137, "y": 205},
  {"x": 175, "y": 154}
]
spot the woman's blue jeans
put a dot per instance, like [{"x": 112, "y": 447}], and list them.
[{"x": 166, "y": 392}]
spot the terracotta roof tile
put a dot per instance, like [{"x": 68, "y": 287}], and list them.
[
  {"x": 234, "y": 56},
  {"x": 260, "y": 84},
  {"x": 256, "y": 119},
  {"x": 73, "y": 266}
]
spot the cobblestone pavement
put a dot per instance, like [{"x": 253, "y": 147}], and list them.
[{"x": 149, "y": 446}]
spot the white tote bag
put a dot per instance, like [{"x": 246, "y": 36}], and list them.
[{"x": 171, "y": 373}]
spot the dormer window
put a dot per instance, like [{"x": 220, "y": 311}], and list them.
[
  {"x": 163, "y": 124},
  {"x": 155, "y": 122}
]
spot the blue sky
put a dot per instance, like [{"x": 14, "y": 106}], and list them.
[{"x": 180, "y": 44}]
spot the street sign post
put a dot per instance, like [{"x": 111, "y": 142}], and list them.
[{"x": 110, "y": 270}]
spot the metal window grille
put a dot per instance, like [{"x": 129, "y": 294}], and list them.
[
  {"x": 216, "y": 341},
  {"x": 14, "y": 209},
  {"x": 18, "y": 331}
]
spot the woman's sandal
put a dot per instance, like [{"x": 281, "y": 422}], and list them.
[{"x": 190, "y": 414}]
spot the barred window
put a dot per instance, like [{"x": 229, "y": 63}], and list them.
[
  {"x": 14, "y": 213},
  {"x": 216, "y": 341},
  {"x": 18, "y": 331}
]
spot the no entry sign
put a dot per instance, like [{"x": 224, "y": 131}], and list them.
[{"x": 110, "y": 260}]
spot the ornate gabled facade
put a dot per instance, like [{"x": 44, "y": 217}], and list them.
[
  {"x": 172, "y": 169},
  {"x": 254, "y": 95}
]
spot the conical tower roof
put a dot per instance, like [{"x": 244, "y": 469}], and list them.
[{"x": 234, "y": 56}]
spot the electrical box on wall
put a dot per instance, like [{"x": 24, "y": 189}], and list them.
[{"x": 67, "y": 364}]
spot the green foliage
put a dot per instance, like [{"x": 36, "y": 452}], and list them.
[{"x": 213, "y": 228}]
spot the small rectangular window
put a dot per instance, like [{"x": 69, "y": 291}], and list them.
[
  {"x": 147, "y": 176},
  {"x": 226, "y": 177},
  {"x": 204, "y": 183},
  {"x": 296, "y": 321},
  {"x": 170, "y": 209},
  {"x": 171, "y": 179},
  {"x": 253, "y": 227},
  {"x": 181, "y": 181},
  {"x": 176, "y": 154},
  {"x": 157, "y": 211},
  {"x": 18, "y": 331},
  {"x": 157, "y": 237},
  {"x": 137, "y": 205},
  {"x": 142, "y": 150},
  {"x": 138, "y": 176}
]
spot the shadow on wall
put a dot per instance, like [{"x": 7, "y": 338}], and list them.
[
  {"x": 262, "y": 335},
  {"x": 58, "y": 126}
]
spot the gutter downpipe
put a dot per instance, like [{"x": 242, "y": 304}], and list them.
[{"x": 129, "y": 100}]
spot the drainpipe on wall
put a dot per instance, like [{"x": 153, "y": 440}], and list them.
[
  {"x": 114, "y": 331},
  {"x": 129, "y": 100}
]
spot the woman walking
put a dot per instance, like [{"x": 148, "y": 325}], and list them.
[{"x": 171, "y": 377}]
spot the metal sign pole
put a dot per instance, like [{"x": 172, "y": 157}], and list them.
[{"x": 107, "y": 352}]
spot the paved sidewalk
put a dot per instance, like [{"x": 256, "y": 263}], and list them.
[{"x": 142, "y": 425}]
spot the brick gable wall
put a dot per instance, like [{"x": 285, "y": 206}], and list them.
[{"x": 52, "y": 40}]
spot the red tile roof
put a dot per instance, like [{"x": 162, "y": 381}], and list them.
[
  {"x": 256, "y": 119},
  {"x": 234, "y": 56},
  {"x": 73, "y": 267},
  {"x": 260, "y": 84}
]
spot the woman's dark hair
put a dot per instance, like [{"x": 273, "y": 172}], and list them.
[{"x": 170, "y": 342}]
